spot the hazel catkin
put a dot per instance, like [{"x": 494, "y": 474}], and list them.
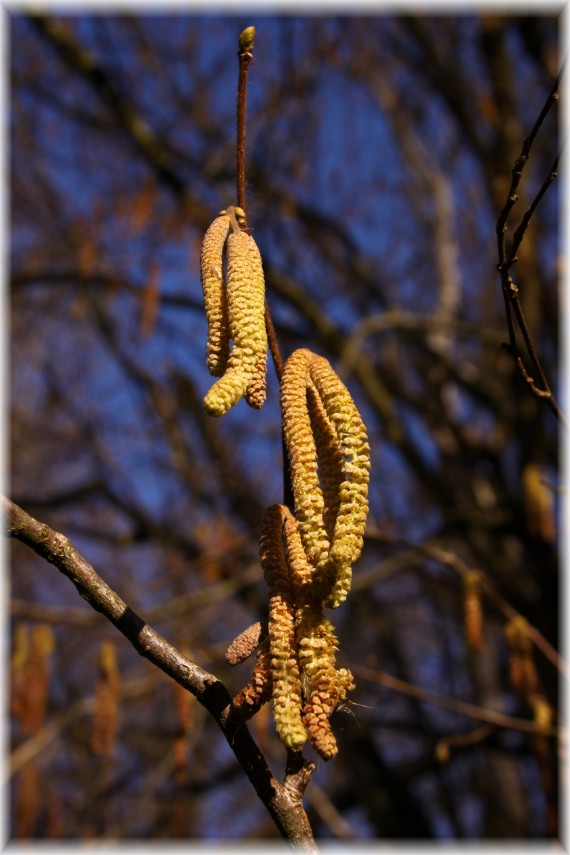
[
  {"x": 287, "y": 692},
  {"x": 245, "y": 290},
  {"x": 212, "y": 277},
  {"x": 330, "y": 462}
]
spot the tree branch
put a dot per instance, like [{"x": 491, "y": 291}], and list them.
[
  {"x": 282, "y": 800},
  {"x": 494, "y": 717}
]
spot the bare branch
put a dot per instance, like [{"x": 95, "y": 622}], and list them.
[
  {"x": 460, "y": 707},
  {"x": 282, "y": 801},
  {"x": 514, "y": 312}
]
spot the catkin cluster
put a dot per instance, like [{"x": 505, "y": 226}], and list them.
[
  {"x": 297, "y": 665},
  {"x": 234, "y": 299},
  {"x": 306, "y": 556}
]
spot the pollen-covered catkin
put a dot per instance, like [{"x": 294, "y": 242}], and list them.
[
  {"x": 287, "y": 693},
  {"x": 246, "y": 643},
  {"x": 347, "y": 539},
  {"x": 256, "y": 391},
  {"x": 473, "y": 610},
  {"x": 323, "y": 690},
  {"x": 522, "y": 669},
  {"x": 212, "y": 276},
  {"x": 323, "y": 685},
  {"x": 329, "y": 457},
  {"x": 309, "y": 502},
  {"x": 246, "y": 314},
  {"x": 106, "y": 710},
  {"x": 258, "y": 691},
  {"x": 319, "y": 413}
]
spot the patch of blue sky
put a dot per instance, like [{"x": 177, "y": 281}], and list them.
[
  {"x": 418, "y": 431},
  {"x": 392, "y": 493}
]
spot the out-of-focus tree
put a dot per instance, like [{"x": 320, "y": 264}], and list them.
[{"x": 379, "y": 157}]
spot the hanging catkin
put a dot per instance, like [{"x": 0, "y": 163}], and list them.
[
  {"x": 258, "y": 691},
  {"x": 212, "y": 276},
  {"x": 287, "y": 692},
  {"x": 323, "y": 685},
  {"x": 246, "y": 643},
  {"x": 309, "y": 502},
  {"x": 231, "y": 315},
  {"x": 331, "y": 509}
]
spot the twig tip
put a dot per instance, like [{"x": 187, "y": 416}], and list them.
[{"x": 246, "y": 40}]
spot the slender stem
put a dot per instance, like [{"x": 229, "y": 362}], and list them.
[
  {"x": 519, "y": 166},
  {"x": 523, "y": 225},
  {"x": 245, "y": 56},
  {"x": 494, "y": 717},
  {"x": 513, "y": 308}
]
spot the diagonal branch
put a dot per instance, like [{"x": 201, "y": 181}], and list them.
[
  {"x": 494, "y": 717},
  {"x": 282, "y": 799}
]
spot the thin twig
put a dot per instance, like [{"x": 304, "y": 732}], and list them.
[
  {"x": 462, "y": 740},
  {"x": 245, "y": 56},
  {"x": 460, "y": 707},
  {"x": 523, "y": 225},
  {"x": 513, "y": 308},
  {"x": 520, "y": 164}
]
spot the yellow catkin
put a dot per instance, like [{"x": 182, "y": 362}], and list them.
[
  {"x": 27, "y": 806},
  {"x": 539, "y": 503},
  {"x": 317, "y": 651},
  {"x": 19, "y": 658},
  {"x": 106, "y": 710},
  {"x": 316, "y": 718},
  {"x": 331, "y": 509},
  {"x": 522, "y": 669},
  {"x": 542, "y": 715},
  {"x": 258, "y": 691},
  {"x": 287, "y": 692},
  {"x": 245, "y": 644},
  {"x": 246, "y": 315},
  {"x": 36, "y": 677},
  {"x": 472, "y": 610},
  {"x": 329, "y": 458},
  {"x": 309, "y": 501},
  {"x": 323, "y": 685},
  {"x": 347, "y": 539},
  {"x": 256, "y": 391},
  {"x": 212, "y": 276}
]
